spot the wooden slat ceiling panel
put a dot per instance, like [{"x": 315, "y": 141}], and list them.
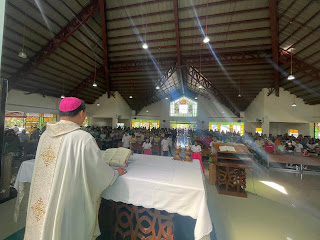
[{"x": 233, "y": 26}]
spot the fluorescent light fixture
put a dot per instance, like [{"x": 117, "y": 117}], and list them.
[
  {"x": 275, "y": 186},
  {"x": 206, "y": 39},
  {"x": 145, "y": 46},
  {"x": 62, "y": 96},
  {"x": 291, "y": 77},
  {"x": 22, "y": 54},
  {"x": 130, "y": 96},
  {"x": 293, "y": 105},
  {"x": 94, "y": 84}
]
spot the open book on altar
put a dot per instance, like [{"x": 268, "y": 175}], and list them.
[
  {"x": 227, "y": 149},
  {"x": 117, "y": 157}
]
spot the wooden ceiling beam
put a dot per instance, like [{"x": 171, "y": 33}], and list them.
[
  {"x": 105, "y": 44},
  {"x": 273, "y": 12},
  {"x": 58, "y": 40}
]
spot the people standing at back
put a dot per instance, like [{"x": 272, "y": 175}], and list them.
[
  {"x": 126, "y": 140},
  {"x": 165, "y": 146},
  {"x": 196, "y": 153},
  {"x": 147, "y": 147}
]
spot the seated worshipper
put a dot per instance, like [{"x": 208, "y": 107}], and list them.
[
  {"x": 68, "y": 179},
  {"x": 259, "y": 142},
  {"x": 298, "y": 147},
  {"x": 196, "y": 153},
  {"x": 277, "y": 142},
  {"x": 165, "y": 146},
  {"x": 289, "y": 148},
  {"x": 147, "y": 147},
  {"x": 126, "y": 140},
  {"x": 281, "y": 148},
  {"x": 23, "y": 136},
  {"x": 269, "y": 147}
]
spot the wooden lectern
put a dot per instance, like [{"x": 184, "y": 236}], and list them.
[{"x": 232, "y": 160}]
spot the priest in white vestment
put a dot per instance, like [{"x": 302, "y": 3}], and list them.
[{"x": 68, "y": 179}]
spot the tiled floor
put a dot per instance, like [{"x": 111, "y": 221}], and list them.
[{"x": 267, "y": 213}]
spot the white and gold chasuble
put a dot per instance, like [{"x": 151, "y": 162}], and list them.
[{"x": 68, "y": 179}]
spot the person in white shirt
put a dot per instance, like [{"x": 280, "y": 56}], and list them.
[
  {"x": 298, "y": 147},
  {"x": 16, "y": 129},
  {"x": 165, "y": 146},
  {"x": 196, "y": 153},
  {"x": 126, "y": 140},
  {"x": 147, "y": 147},
  {"x": 215, "y": 140}
]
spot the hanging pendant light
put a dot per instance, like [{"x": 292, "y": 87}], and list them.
[
  {"x": 62, "y": 96},
  {"x": 145, "y": 45},
  {"x": 291, "y": 77},
  {"x": 95, "y": 73},
  {"x": 98, "y": 104},
  {"x": 130, "y": 97},
  {"x": 22, "y": 54},
  {"x": 206, "y": 38},
  {"x": 294, "y": 105},
  {"x": 157, "y": 87},
  {"x": 196, "y": 98},
  {"x": 239, "y": 95}
]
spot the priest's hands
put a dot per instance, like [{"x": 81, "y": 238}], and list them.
[{"x": 121, "y": 171}]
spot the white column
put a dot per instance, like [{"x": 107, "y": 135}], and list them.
[
  {"x": 2, "y": 10},
  {"x": 266, "y": 126}
]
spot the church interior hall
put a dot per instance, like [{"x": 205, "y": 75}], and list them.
[{"x": 200, "y": 118}]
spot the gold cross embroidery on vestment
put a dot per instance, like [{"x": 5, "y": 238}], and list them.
[
  {"x": 48, "y": 156},
  {"x": 38, "y": 209}
]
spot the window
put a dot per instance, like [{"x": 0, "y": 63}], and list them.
[
  {"x": 293, "y": 132},
  {"x": 183, "y": 107},
  {"x": 259, "y": 130}
]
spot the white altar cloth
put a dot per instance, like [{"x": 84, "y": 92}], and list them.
[{"x": 156, "y": 182}]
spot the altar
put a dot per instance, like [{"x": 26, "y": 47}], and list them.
[{"x": 156, "y": 182}]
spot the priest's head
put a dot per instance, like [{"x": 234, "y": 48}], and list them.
[{"x": 72, "y": 109}]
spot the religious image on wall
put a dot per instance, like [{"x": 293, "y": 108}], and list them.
[{"x": 183, "y": 107}]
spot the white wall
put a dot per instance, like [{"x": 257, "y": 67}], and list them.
[
  {"x": 209, "y": 110},
  {"x": 282, "y": 128},
  {"x": 113, "y": 107},
  {"x": 33, "y": 103},
  {"x": 101, "y": 122},
  {"x": 275, "y": 110}
]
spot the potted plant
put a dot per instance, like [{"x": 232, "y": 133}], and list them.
[{"x": 212, "y": 169}]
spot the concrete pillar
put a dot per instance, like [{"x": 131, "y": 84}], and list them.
[
  {"x": 2, "y": 10},
  {"x": 266, "y": 126},
  {"x": 115, "y": 120}
]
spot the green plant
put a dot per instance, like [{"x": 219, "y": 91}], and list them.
[{"x": 211, "y": 158}]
